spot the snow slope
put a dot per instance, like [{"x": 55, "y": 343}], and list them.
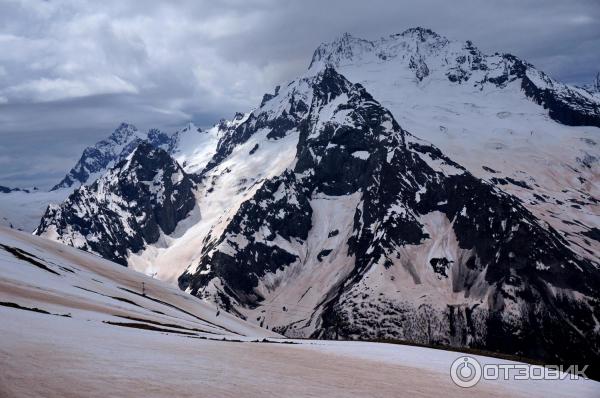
[
  {"x": 75, "y": 325},
  {"x": 245, "y": 165},
  {"x": 37, "y": 273}
]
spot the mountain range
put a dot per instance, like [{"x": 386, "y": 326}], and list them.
[{"x": 408, "y": 188}]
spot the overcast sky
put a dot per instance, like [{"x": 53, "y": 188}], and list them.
[{"x": 70, "y": 71}]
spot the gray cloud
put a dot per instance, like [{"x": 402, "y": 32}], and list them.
[{"x": 71, "y": 71}]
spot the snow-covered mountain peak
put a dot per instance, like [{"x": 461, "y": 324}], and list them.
[
  {"x": 103, "y": 155},
  {"x": 496, "y": 114},
  {"x": 348, "y": 49},
  {"x": 145, "y": 161},
  {"x": 424, "y": 58},
  {"x": 420, "y": 33},
  {"x": 414, "y": 40},
  {"x": 342, "y": 48},
  {"x": 98, "y": 158},
  {"x": 124, "y": 133},
  {"x": 287, "y": 107},
  {"x": 351, "y": 49}
]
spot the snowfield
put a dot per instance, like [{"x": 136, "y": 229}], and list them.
[{"x": 73, "y": 325}]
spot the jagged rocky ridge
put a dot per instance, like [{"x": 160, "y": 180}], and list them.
[
  {"x": 144, "y": 195},
  {"x": 430, "y": 253},
  {"x": 23, "y": 208},
  {"x": 97, "y": 158},
  {"x": 186, "y": 143},
  {"x": 191, "y": 147}
]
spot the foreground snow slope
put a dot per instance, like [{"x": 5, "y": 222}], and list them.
[
  {"x": 63, "y": 357},
  {"x": 75, "y": 325},
  {"x": 39, "y": 275}
]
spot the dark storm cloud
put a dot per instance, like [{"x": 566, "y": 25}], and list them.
[{"x": 71, "y": 71}]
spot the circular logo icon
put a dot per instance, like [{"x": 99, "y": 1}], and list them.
[{"x": 465, "y": 372}]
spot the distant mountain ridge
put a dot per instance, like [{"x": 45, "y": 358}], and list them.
[
  {"x": 4, "y": 189},
  {"x": 464, "y": 63},
  {"x": 96, "y": 159}
]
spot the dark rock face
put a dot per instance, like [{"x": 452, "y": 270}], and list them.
[
  {"x": 593, "y": 233},
  {"x": 144, "y": 194},
  {"x": 510, "y": 284},
  {"x": 419, "y": 66},
  {"x": 566, "y": 107},
  {"x": 253, "y": 259},
  {"x": 565, "y": 104},
  {"x": 160, "y": 139}
]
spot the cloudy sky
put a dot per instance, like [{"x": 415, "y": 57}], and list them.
[{"x": 70, "y": 71}]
